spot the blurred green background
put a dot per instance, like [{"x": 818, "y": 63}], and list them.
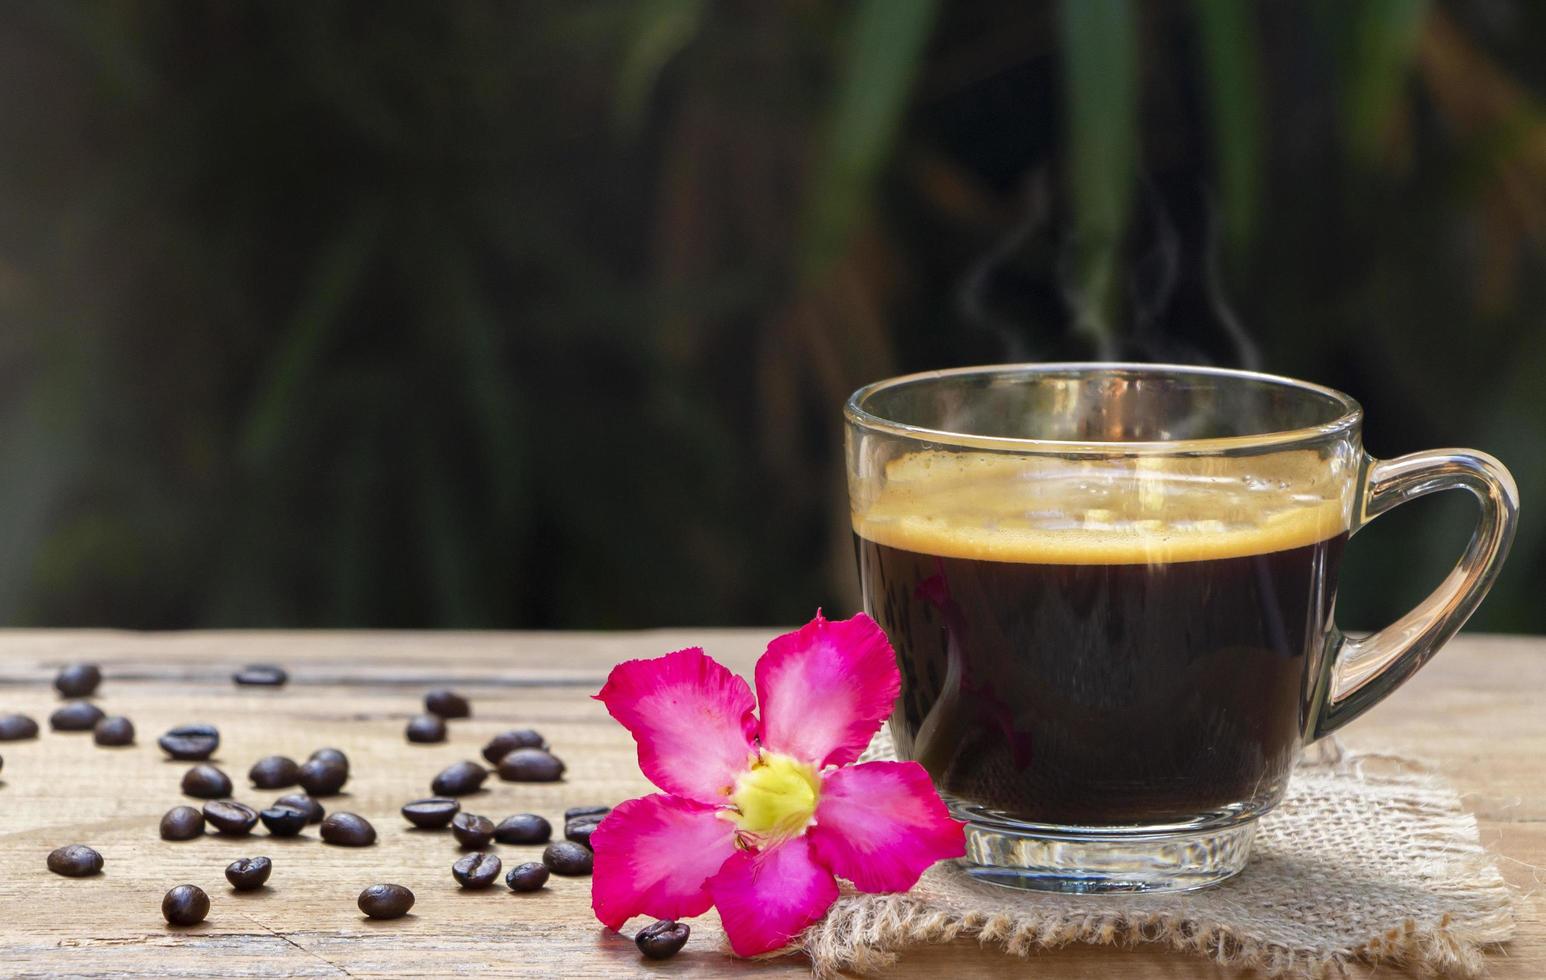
[{"x": 542, "y": 314}]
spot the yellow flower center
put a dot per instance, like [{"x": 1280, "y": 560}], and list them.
[{"x": 776, "y": 797}]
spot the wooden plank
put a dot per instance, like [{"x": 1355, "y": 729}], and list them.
[{"x": 1477, "y": 712}]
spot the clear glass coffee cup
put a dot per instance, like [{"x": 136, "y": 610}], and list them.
[{"x": 1111, "y": 587}]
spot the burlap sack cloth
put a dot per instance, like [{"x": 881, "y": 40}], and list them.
[{"x": 1368, "y": 859}]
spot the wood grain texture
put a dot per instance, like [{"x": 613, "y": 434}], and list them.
[{"x": 1478, "y": 713}]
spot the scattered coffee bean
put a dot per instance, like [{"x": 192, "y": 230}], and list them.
[
  {"x": 531, "y": 766},
  {"x": 433, "y": 813},
  {"x": 283, "y": 821},
  {"x": 2, "y": 762},
  {"x": 527, "y": 877},
  {"x": 74, "y": 861},
  {"x": 191, "y": 743},
  {"x": 504, "y": 743},
  {"x": 386, "y": 901},
  {"x": 75, "y": 716},
  {"x": 476, "y": 870},
  {"x": 185, "y": 905},
  {"x": 206, "y": 782},
  {"x": 182, "y": 823},
  {"x": 323, "y": 777},
  {"x": 14, "y": 728},
  {"x": 580, "y": 829},
  {"x": 567, "y": 858},
  {"x": 330, "y": 755},
  {"x": 113, "y": 731},
  {"x": 663, "y": 939},
  {"x": 247, "y": 874},
  {"x": 348, "y": 830},
  {"x": 598, "y": 811},
  {"x": 472, "y": 831},
  {"x": 459, "y": 779},
  {"x": 447, "y": 704},
  {"x": 230, "y": 817},
  {"x": 274, "y": 772},
  {"x": 78, "y": 680},
  {"x": 261, "y": 675},
  {"x": 523, "y": 828},
  {"x": 426, "y": 729},
  {"x": 300, "y": 801}
]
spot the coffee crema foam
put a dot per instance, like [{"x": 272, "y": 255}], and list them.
[{"x": 1129, "y": 510}]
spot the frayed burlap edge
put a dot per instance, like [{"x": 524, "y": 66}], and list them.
[
  {"x": 865, "y": 933},
  {"x": 868, "y": 933}
]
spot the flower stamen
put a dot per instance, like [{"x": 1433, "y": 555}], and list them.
[{"x": 776, "y": 798}]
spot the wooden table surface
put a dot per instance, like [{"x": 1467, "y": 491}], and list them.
[{"x": 1478, "y": 712}]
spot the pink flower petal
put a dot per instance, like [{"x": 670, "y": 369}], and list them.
[
  {"x": 825, "y": 689},
  {"x": 691, "y": 717},
  {"x": 881, "y": 825},
  {"x": 654, "y": 856},
  {"x": 766, "y": 897}
]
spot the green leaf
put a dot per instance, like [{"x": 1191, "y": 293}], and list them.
[
  {"x": 884, "y": 50},
  {"x": 662, "y": 29},
  {"x": 1376, "y": 66},
  {"x": 298, "y": 360},
  {"x": 1100, "y": 58},
  {"x": 1230, "y": 46}
]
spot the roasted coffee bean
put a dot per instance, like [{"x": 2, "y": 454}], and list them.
[
  {"x": 78, "y": 680},
  {"x": 472, "y": 831},
  {"x": 330, "y": 755},
  {"x": 182, "y": 823},
  {"x": 75, "y": 716},
  {"x": 206, "y": 782},
  {"x": 663, "y": 939},
  {"x": 531, "y": 766},
  {"x": 447, "y": 704},
  {"x": 504, "y": 743},
  {"x": 431, "y": 814},
  {"x": 113, "y": 731},
  {"x": 386, "y": 901},
  {"x": 476, "y": 870},
  {"x": 348, "y": 830},
  {"x": 323, "y": 777},
  {"x": 567, "y": 858},
  {"x": 527, "y": 877},
  {"x": 283, "y": 821},
  {"x": 426, "y": 729},
  {"x": 2, "y": 762},
  {"x": 274, "y": 772},
  {"x": 598, "y": 811},
  {"x": 74, "y": 861},
  {"x": 459, "y": 779},
  {"x": 191, "y": 743},
  {"x": 185, "y": 905},
  {"x": 247, "y": 874},
  {"x": 300, "y": 801},
  {"x": 261, "y": 675},
  {"x": 230, "y": 817},
  {"x": 523, "y": 828},
  {"x": 580, "y": 829},
  {"x": 14, "y": 728}
]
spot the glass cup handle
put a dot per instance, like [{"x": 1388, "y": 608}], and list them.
[{"x": 1362, "y": 671}]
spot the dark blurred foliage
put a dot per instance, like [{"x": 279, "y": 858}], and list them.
[{"x": 542, "y": 314}]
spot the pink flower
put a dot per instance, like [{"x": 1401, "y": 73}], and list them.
[{"x": 758, "y": 819}]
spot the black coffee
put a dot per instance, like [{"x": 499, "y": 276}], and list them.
[{"x": 1064, "y": 663}]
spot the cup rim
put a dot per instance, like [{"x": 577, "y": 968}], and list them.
[{"x": 857, "y": 414}]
